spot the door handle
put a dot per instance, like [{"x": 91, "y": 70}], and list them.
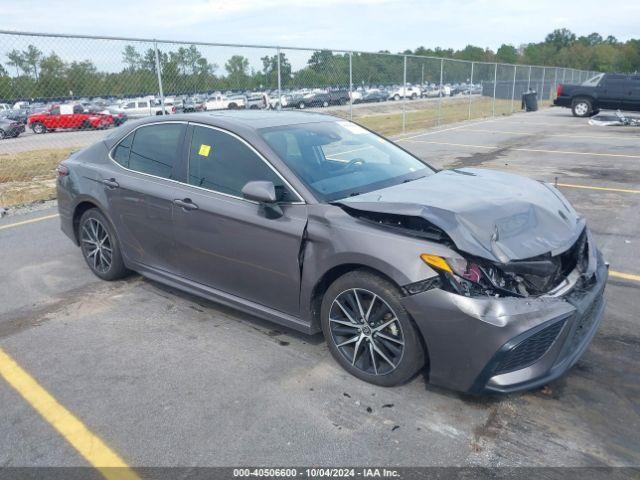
[
  {"x": 111, "y": 183},
  {"x": 186, "y": 204}
]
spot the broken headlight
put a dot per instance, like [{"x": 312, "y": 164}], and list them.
[{"x": 462, "y": 276}]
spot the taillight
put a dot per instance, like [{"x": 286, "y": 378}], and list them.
[
  {"x": 173, "y": 109},
  {"x": 559, "y": 90},
  {"x": 62, "y": 170}
]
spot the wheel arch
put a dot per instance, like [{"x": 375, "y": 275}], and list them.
[
  {"x": 82, "y": 205},
  {"x": 330, "y": 276}
]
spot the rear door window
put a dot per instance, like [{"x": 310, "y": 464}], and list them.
[{"x": 153, "y": 149}]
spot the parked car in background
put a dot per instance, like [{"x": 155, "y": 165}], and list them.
[
  {"x": 189, "y": 105},
  {"x": 68, "y": 117},
  {"x": 142, "y": 108},
  {"x": 257, "y": 101},
  {"x": 606, "y": 90},
  {"x": 5, "y": 107},
  {"x": 118, "y": 116},
  {"x": 20, "y": 115},
  {"x": 314, "y": 99},
  {"x": 405, "y": 92},
  {"x": 10, "y": 128},
  {"x": 373, "y": 96},
  {"x": 338, "y": 97},
  {"x": 224, "y": 102}
]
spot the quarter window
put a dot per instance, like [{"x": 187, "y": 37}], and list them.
[
  {"x": 154, "y": 149},
  {"x": 222, "y": 163}
]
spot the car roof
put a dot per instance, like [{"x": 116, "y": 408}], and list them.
[
  {"x": 252, "y": 119},
  {"x": 247, "y": 121}
]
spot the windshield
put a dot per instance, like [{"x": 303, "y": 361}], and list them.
[{"x": 340, "y": 159}]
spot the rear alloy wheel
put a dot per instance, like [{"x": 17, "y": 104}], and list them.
[
  {"x": 581, "y": 107},
  {"x": 325, "y": 104},
  {"x": 301, "y": 105},
  {"x": 368, "y": 330},
  {"x": 38, "y": 128},
  {"x": 100, "y": 246}
]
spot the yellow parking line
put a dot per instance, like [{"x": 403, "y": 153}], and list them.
[
  {"x": 538, "y": 150},
  {"x": 608, "y": 189},
  {"x": 624, "y": 276},
  {"x": 94, "y": 450},
  {"x": 25, "y": 222}
]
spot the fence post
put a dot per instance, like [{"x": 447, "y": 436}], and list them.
[
  {"x": 470, "y": 88},
  {"x": 279, "y": 103},
  {"x": 495, "y": 84},
  {"x": 513, "y": 88},
  {"x": 544, "y": 71},
  {"x": 155, "y": 48},
  {"x": 441, "y": 93},
  {"x": 529, "y": 80},
  {"x": 555, "y": 84},
  {"x": 404, "y": 95},
  {"x": 350, "y": 85}
]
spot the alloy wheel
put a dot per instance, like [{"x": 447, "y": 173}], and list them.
[
  {"x": 96, "y": 245},
  {"x": 366, "y": 331}
]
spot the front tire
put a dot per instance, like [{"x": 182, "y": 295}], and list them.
[
  {"x": 368, "y": 331},
  {"x": 100, "y": 246},
  {"x": 38, "y": 128},
  {"x": 581, "y": 107}
]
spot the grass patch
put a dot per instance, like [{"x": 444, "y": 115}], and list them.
[
  {"x": 450, "y": 111},
  {"x": 29, "y": 176}
]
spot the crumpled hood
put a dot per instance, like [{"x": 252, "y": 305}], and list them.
[{"x": 487, "y": 213}]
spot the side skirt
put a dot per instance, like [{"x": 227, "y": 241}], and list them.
[{"x": 223, "y": 298}]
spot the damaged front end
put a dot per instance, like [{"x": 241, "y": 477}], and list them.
[
  {"x": 472, "y": 275},
  {"x": 532, "y": 277}
]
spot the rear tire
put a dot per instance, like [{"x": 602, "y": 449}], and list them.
[
  {"x": 581, "y": 107},
  {"x": 360, "y": 346},
  {"x": 3, "y": 135},
  {"x": 100, "y": 246}
]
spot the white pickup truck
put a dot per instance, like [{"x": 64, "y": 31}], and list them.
[
  {"x": 142, "y": 108},
  {"x": 223, "y": 102},
  {"x": 405, "y": 92}
]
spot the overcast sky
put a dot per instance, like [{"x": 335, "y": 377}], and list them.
[{"x": 368, "y": 25}]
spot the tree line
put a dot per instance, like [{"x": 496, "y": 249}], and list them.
[{"x": 31, "y": 73}]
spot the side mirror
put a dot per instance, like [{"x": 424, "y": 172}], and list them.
[{"x": 264, "y": 193}]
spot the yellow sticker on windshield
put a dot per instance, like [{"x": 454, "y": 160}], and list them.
[{"x": 204, "y": 150}]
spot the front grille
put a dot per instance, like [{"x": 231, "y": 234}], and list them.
[{"x": 529, "y": 350}]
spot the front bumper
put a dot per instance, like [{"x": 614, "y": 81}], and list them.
[{"x": 480, "y": 345}]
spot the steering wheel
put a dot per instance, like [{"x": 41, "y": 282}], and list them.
[{"x": 356, "y": 162}]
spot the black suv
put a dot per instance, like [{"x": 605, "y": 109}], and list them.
[{"x": 606, "y": 90}]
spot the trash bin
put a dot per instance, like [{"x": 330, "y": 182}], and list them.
[{"x": 530, "y": 101}]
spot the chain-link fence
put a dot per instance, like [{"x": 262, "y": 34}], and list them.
[{"x": 62, "y": 92}]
